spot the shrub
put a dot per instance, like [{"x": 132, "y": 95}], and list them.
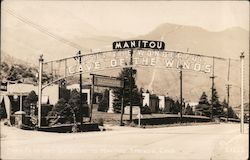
[{"x": 100, "y": 121}]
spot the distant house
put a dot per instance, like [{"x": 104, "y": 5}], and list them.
[
  {"x": 152, "y": 101},
  {"x": 169, "y": 105},
  {"x": 193, "y": 105},
  {"x": 237, "y": 110}
]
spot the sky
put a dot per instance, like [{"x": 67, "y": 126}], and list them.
[{"x": 124, "y": 18}]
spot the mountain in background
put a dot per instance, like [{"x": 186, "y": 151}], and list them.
[{"x": 228, "y": 43}]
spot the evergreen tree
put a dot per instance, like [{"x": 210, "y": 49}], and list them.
[
  {"x": 217, "y": 107},
  {"x": 224, "y": 108},
  {"x": 231, "y": 113},
  {"x": 176, "y": 107},
  {"x": 203, "y": 99},
  {"x": 66, "y": 112},
  {"x": 203, "y": 107},
  {"x": 32, "y": 98},
  {"x": 104, "y": 103},
  {"x": 118, "y": 92},
  {"x": 188, "y": 110},
  {"x": 74, "y": 103}
]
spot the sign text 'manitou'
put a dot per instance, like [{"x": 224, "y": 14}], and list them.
[{"x": 139, "y": 44}]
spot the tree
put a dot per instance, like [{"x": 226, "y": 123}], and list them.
[
  {"x": 61, "y": 113},
  {"x": 169, "y": 105},
  {"x": 188, "y": 110},
  {"x": 217, "y": 107},
  {"x": 104, "y": 103},
  {"x": 176, "y": 108},
  {"x": 68, "y": 110},
  {"x": 231, "y": 113},
  {"x": 118, "y": 92},
  {"x": 74, "y": 103},
  {"x": 203, "y": 99},
  {"x": 13, "y": 74},
  {"x": 224, "y": 106},
  {"x": 203, "y": 107},
  {"x": 32, "y": 98}
]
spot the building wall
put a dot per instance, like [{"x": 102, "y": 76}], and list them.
[
  {"x": 87, "y": 91},
  {"x": 154, "y": 104},
  {"x": 168, "y": 104},
  {"x": 145, "y": 99},
  {"x": 161, "y": 102},
  {"x": 21, "y": 88},
  {"x": 52, "y": 92}
]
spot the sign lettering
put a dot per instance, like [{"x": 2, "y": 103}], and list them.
[{"x": 139, "y": 44}]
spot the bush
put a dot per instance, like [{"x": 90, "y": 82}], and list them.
[
  {"x": 100, "y": 121},
  {"x": 145, "y": 110},
  {"x": 104, "y": 103}
]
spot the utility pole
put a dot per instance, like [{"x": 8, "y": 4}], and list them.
[
  {"x": 181, "y": 93},
  {"x": 242, "y": 93},
  {"x": 130, "y": 85},
  {"x": 212, "y": 95},
  {"x": 92, "y": 97},
  {"x": 40, "y": 90},
  {"x": 228, "y": 88},
  {"x": 80, "y": 86},
  {"x": 122, "y": 103},
  {"x": 228, "y": 96}
]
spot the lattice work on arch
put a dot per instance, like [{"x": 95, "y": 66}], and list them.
[{"x": 161, "y": 71}]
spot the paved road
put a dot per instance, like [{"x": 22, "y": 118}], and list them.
[{"x": 216, "y": 141}]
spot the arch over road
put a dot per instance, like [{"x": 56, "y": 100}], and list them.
[{"x": 136, "y": 58}]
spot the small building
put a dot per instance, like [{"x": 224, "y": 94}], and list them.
[
  {"x": 12, "y": 100},
  {"x": 152, "y": 101},
  {"x": 161, "y": 102},
  {"x": 169, "y": 105}
]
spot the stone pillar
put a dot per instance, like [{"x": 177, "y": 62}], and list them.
[
  {"x": 19, "y": 118},
  {"x": 111, "y": 99},
  {"x": 146, "y": 98},
  {"x": 161, "y": 102}
]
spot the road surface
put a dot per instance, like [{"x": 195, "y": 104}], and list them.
[{"x": 206, "y": 141}]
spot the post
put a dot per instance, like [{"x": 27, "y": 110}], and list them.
[
  {"x": 80, "y": 86},
  {"x": 139, "y": 118},
  {"x": 40, "y": 90},
  {"x": 122, "y": 105},
  {"x": 21, "y": 102},
  {"x": 212, "y": 94},
  {"x": 228, "y": 97},
  {"x": 92, "y": 97},
  {"x": 181, "y": 93},
  {"x": 242, "y": 93},
  {"x": 228, "y": 88},
  {"x": 131, "y": 86}
]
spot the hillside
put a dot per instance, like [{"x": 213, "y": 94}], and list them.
[{"x": 227, "y": 43}]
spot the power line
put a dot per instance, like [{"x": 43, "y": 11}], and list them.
[{"x": 43, "y": 30}]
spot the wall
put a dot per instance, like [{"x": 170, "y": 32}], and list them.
[
  {"x": 52, "y": 92},
  {"x": 161, "y": 102}
]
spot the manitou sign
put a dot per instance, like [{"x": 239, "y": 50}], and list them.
[{"x": 139, "y": 44}]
